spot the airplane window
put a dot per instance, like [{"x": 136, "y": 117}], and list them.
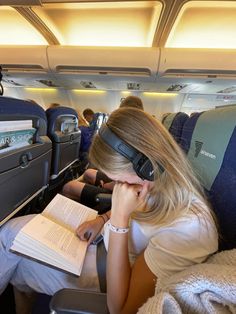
[{"x": 204, "y": 24}]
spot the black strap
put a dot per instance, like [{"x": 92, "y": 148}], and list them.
[{"x": 101, "y": 260}]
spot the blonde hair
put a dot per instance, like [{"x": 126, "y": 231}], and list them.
[{"x": 175, "y": 188}]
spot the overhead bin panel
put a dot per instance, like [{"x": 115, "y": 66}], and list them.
[
  {"x": 27, "y": 59},
  {"x": 197, "y": 63},
  {"x": 102, "y": 23},
  {"x": 104, "y": 61},
  {"x": 16, "y": 30},
  {"x": 204, "y": 24}
]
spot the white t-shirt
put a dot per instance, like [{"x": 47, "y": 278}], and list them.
[{"x": 172, "y": 248}]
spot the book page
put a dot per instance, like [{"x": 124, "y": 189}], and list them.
[
  {"x": 68, "y": 213},
  {"x": 49, "y": 242}
]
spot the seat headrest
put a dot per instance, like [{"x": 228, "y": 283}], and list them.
[
  {"x": 210, "y": 143},
  {"x": 19, "y": 109},
  {"x": 174, "y": 123},
  {"x": 56, "y": 116}
]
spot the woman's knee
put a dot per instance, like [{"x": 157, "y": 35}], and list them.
[
  {"x": 89, "y": 176},
  {"x": 73, "y": 189},
  {"x": 10, "y": 229}
]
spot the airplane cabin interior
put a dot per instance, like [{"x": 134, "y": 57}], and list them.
[{"x": 178, "y": 56}]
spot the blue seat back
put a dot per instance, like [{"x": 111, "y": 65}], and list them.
[
  {"x": 209, "y": 139},
  {"x": 65, "y": 136},
  {"x": 174, "y": 123},
  {"x": 24, "y": 171}
]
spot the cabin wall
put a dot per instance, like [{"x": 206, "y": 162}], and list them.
[
  {"x": 105, "y": 101},
  {"x": 198, "y": 103}
]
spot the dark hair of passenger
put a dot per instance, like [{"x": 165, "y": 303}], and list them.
[
  {"x": 32, "y": 101},
  {"x": 132, "y": 101},
  {"x": 54, "y": 105},
  {"x": 88, "y": 112}
]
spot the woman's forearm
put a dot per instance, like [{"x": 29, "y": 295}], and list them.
[{"x": 118, "y": 272}]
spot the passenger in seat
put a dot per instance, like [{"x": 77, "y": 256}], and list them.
[
  {"x": 91, "y": 118},
  {"x": 54, "y": 105},
  {"x": 92, "y": 182},
  {"x": 159, "y": 224}
]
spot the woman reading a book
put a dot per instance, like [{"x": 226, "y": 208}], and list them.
[{"x": 159, "y": 223}]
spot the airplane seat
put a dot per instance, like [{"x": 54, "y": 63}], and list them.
[
  {"x": 65, "y": 136},
  {"x": 210, "y": 143},
  {"x": 174, "y": 123},
  {"x": 187, "y": 131},
  {"x": 25, "y": 154}
]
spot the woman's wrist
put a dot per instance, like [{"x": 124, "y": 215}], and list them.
[
  {"x": 120, "y": 221},
  {"x": 104, "y": 217},
  {"x": 116, "y": 229}
]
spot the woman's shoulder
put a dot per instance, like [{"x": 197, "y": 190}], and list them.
[{"x": 192, "y": 226}]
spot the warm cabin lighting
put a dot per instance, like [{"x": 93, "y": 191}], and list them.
[
  {"x": 15, "y": 30},
  {"x": 126, "y": 92},
  {"x": 159, "y": 94},
  {"x": 92, "y": 91},
  {"x": 204, "y": 24},
  {"x": 123, "y": 24},
  {"x": 35, "y": 89}
]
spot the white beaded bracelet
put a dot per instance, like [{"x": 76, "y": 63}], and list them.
[{"x": 117, "y": 229}]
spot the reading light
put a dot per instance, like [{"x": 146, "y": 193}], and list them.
[
  {"x": 93, "y": 91},
  {"x": 126, "y": 92},
  {"x": 160, "y": 94},
  {"x": 35, "y": 89}
]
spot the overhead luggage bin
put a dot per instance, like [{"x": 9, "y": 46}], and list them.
[
  {"x": 25, "y": 154},
  {"x": 28, "y": 59},
  {"x": 197, "y": 63},
  {"x": 104, "y": 61},
  {"x": 65, "y": 136}
]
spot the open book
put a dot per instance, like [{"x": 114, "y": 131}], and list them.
[{"x": 50, "y": 236}]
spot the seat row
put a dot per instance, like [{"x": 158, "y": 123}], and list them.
[
  {"x": 27, "y": 170},
  {"x": 209, "y": 140}
]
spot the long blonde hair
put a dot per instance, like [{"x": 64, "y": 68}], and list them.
[{"x": 174, "y": 188}]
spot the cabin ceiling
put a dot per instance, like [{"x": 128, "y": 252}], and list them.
[{"x": 119, "y": 45}]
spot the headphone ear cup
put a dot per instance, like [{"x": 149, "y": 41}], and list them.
[
  {"x": 141, "y": 164},
  {"x": 144, "y": 169}
]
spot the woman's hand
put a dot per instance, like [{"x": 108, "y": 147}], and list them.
[
  {"x": 127, "y": 198},
  {"x": 109, "y": 185},
  {"x": 88, "y": 230}
]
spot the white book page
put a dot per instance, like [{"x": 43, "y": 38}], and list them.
[
  {"x": 68, "y": 213},
  {"x": 60, "y": 242},
  {"x": 42, "y": 253}
]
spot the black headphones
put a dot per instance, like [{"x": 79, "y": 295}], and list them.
[{"x": 141, "y": 164}]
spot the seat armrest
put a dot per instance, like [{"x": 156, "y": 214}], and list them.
[
  {"x": 104, "y": 199},
  {"x": 103, "y": 202},
  {"x": 73, "y": 301}
]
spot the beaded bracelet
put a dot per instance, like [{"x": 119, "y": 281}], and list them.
[
  {"x": 117, "y": 229},
  {"x": 106, "y": 216},
  {"x": 104, "y": 220}
]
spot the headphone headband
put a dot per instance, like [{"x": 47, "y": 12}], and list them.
[{"x": 141, "y": 164}]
